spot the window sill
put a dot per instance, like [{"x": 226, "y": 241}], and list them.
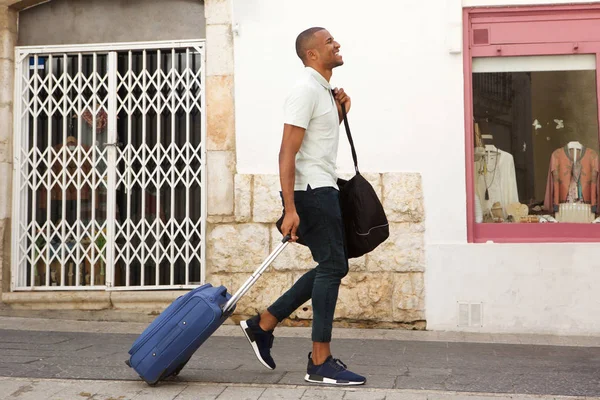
[{"x": 536, "y": 233}]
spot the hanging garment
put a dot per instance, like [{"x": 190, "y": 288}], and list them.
[
  {"x": 496, "y": 173},
  {"x": 569, "y": 182}
]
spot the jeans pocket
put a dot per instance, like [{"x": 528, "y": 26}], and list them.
[{"x": 321, "y": 226}]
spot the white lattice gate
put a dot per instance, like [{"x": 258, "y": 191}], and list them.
[{"x": 109, "y": 182}]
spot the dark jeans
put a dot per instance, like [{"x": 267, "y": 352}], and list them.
[{"x": 322, "y": 230}]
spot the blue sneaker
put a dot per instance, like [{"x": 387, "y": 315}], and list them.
[
  {"x": 333, "y": 372},
  {"x": 261, "y": 341}
]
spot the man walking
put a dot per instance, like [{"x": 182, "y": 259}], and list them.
[{"x": 307, "y": 162}]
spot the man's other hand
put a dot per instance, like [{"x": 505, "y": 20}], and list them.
[{"x": 290, "y": 224}]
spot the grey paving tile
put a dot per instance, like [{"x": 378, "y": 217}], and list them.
[
  {"x": 10, "y": 385},
  {"x": 84, "y": 393},
  {"x": 467, "y": 396},
  {"x": 241, "y": 393},
  {"x": 323, "y": 394},
  {"x": 227, "y": 376},
  {"x": 405, "y": 396},
  {"x": 100, "y": 390},
  {"x": 363, "y": 394},
  {"x": 282, "y": 394},
  {"x": 37, "y": 390},
  {"x": 165, "y": 391},
  {"x": 196, "y": 392}
]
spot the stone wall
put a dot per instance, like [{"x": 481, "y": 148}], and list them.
[
  {"x": 8, "y": 38},
  {"x": 384, "y": 288}
]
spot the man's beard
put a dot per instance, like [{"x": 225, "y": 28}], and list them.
[{"x": 337, "y": 64}]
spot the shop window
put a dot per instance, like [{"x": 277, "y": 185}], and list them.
[
  {"x": 536, "y": 136},
  {"x": 532, "y": 123}
]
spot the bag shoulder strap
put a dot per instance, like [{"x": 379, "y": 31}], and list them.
[{"x": 347, "y": 126}]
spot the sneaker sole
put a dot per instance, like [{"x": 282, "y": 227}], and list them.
[
  {"x": 244, "y": 326},
  {"x": 328, "y": 381}
]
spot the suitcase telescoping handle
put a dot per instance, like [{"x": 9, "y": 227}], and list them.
[{"x": 252, "y": 280}]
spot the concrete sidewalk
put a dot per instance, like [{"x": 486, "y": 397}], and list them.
[
  {"x": 85, "y": 359},
  {"x": 54, "y": 389}
]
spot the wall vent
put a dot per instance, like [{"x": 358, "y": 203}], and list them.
[
  {"x": 470, "y": 314},
  {"x": 481, "y": 36}
]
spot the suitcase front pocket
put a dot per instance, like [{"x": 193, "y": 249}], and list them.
[
  {"x": 184, "y": 322},
  {"x": 168, "y": 339},
  {"x": 182, "y": 304}
]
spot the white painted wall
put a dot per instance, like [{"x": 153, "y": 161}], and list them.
[
  {"x": 408, "y": 115},
  {"x": 546, "y": 288}
]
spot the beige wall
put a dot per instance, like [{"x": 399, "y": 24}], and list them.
[
  {"x": 384, "y": 288},
  {"x": 8, "y": 38}
]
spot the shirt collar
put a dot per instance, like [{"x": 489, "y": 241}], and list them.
[{"x": 318, "y": 77}]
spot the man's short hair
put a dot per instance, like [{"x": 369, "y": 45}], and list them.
[{"x": 303, "y": 40}]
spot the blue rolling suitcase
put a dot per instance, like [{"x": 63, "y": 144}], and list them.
[{"x": 169, "y": 342}]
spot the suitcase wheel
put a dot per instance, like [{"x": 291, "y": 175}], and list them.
[
  {"x": 154, "y": 383},
  {"x": 178, "y": 370}
]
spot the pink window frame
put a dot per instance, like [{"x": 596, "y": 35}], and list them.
[{"x": 526, "y": 233}]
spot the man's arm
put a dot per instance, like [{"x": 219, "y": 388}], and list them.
[{"x": 290, "y": 145}]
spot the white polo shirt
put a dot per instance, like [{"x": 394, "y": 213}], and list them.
[{"x": 310, "y": 105}]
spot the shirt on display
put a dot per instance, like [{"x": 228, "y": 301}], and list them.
[{"x": 495, "y": 173}]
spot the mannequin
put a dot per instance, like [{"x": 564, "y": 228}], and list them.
[
  {"x": 572, "y": 177},
  {"x": 575, "y": 146}
]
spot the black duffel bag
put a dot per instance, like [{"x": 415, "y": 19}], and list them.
[
  {"x": 365, "y": 222},
  {"x": 364, "y": 218}
]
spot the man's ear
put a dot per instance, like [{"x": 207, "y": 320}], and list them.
[{"x": 311, "y": 54}]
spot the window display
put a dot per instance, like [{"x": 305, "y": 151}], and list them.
[{"x": 536, "y": 140}]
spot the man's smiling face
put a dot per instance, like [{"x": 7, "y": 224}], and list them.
[{"x": 328, "y": 50}]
